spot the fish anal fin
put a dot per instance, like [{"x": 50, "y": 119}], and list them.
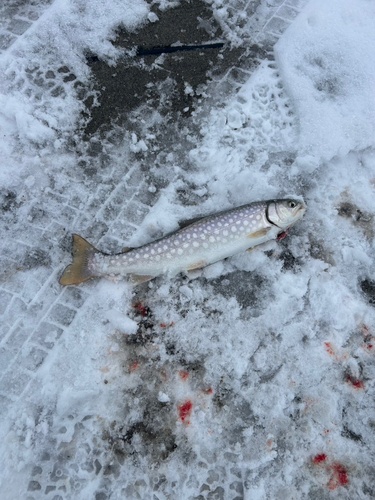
[
  {"x": 138, "y": 279},
  {"x": 197, "y": 265},
  {"x": 78, "y": 271},
  {"x": 259, "y": 233}
]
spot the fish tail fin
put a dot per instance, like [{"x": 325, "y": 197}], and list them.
[{"x": 79, "y": 271}]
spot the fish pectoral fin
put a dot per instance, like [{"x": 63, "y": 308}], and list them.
[
  {"x": 126, "y": 249},
  {"x": 260, "y": 233},
  {"x": 198, "y": 265},
  {"x": 138, "y": 279}
]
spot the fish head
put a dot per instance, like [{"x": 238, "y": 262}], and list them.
[{"x": 285, "y": 213}]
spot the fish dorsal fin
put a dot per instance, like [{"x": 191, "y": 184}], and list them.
[{"x": 189, "y": 222}]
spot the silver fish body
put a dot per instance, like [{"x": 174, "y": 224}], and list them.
[{"x": 204, "y": 242}]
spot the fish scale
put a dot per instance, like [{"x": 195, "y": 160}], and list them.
[{"x": 204, "y": 242}]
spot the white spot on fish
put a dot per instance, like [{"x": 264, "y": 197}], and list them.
[
  {"x": 169, "y": 256},
  {"x": 195, "y": 235},
  {"x": 152, "y": 251},
  {"x": 203, "y": 237},
  {"x": 245, "y": 222},
  {"x": 191, "y": 250},
  {"x": 157, "y": 257},
  {"x": 233, "y": 229},
  {"x": 212, "y": 239},
  {"x": 258, "y": 217},
  {"x": 185, "y": 245},
  {"x": 205, "y": 245},
  {"x": 165, "y": 247},
  {"x": 225, "y": 233},
  {"x": 146, "y": 256},
  {"x": 195, "y": 244},
  {"x": 179, "y": 251}
]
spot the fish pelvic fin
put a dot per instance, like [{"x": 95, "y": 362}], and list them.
[{"x": 78, "y": 271}]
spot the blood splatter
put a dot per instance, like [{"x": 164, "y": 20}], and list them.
[
  {"x": 329, "y": 348},
  {"x": 339, "y": 478},
  {"x": 142, "y": 309},
  {"x": 164, "y": 325},
  {"x": 282, "y": 235},
  {"x": 134, "y": 366},
  {"x": 184, "y": 411},
  {"x": 356, "y": 383},
  {"x": 341, "y": 474},
  {"x": 184, "y": 375},
  {"x": 208, "y": 391},
  {"x": 318, "y": 459}
]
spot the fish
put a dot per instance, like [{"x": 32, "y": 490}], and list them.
[{"x": 198, "y": 244}]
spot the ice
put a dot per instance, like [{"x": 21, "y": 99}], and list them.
[{"x": 249, "y": 379}]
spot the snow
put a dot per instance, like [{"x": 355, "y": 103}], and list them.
[
  {"x": 326, "y": 61},
  {"x": 227, "y": 383}
]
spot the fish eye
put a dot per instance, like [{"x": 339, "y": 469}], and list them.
[{"x": 292, "y": 204}]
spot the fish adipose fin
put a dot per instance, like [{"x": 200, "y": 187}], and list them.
[{"x": 79, "y": 271}]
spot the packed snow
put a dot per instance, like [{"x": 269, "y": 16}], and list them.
[{"x": 250, "y": 379}]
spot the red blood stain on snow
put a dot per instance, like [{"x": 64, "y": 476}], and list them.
[
  {"x": 164, "y": 325},
  {"x": 134, "y": 366},
  {"x": 339, "y": 473},
  {"x": 356, "y": 383},
  {"x": 141, "y": 309},
  {"x": 333, "y": 353},
  {"x": 330, "y": 349},
  {"x": 184, "y": 411},
  {"x": 318, "y": 459},
  {"x": 339, "y": 478},
  {"x": 184, "y": 375},
  {"x": 282, "y": 235},
  {"x": 208, "y": 391}
]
